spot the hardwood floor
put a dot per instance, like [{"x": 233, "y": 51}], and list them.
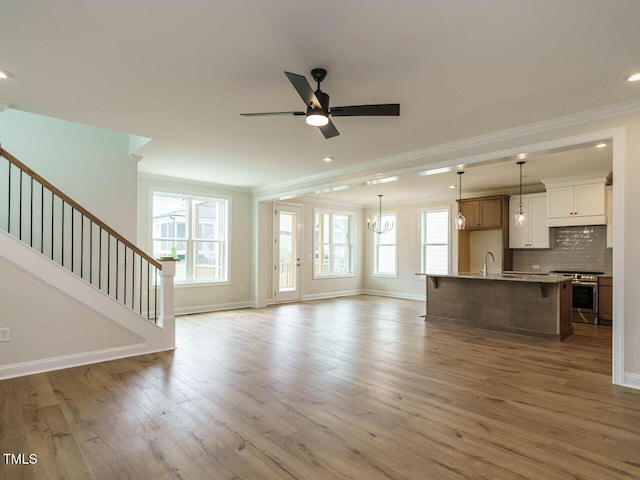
[{"x": 351, "y": 388}]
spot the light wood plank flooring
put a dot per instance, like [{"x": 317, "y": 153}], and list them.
[{"x": 351, "y": 388}]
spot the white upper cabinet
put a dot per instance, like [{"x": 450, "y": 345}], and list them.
[
  {"x": 534, "y": 233},
  {"x": 560, "y": 202},
  {"x": 576, "y": 201}
]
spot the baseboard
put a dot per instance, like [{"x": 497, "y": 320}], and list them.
[
  {"x": 406, "y": 296},
  {"x": 216, "y": 307},
  {"x": 74, "y": 360},
  {"x": 322, "y": 296},
  {"x": 632, "y": 380}
]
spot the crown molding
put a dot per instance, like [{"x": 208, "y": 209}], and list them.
[{"x": 401, "y": 160}]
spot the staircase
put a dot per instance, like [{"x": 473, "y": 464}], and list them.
[{"x": 111, "y": 299}]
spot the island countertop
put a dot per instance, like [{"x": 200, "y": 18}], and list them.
[{"x": 511, "y": 277}]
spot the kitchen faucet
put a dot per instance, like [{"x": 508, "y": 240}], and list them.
[{"x": 493, "y": 259}]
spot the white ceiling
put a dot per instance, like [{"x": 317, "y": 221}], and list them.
[{"x": 182, "y": 72}]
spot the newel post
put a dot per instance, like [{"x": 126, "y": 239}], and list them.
[{"x": 167, "y": 320}]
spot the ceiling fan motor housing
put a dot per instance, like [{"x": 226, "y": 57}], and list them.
[{"x": 318, "y": 74}]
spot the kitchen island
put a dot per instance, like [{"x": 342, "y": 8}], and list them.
[{"x": 535, "y": 305}]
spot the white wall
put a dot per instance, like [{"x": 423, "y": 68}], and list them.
[
  {"x": 206, "y": 297},
  {"x": 53, "y": 326},
  {"x": 57, "y": 320},
  {"x": 90, "y": 165},
  {"x": 408, "y": 223},
  {"x": 311, "y": 288},
  {"x": 335, "y": 286}
]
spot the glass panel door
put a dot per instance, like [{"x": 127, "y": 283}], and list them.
[{"x": 287, "y": 253}]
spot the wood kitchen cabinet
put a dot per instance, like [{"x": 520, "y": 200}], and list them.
[
  {"x": 605, "y": 300},
  {"x": 576, "y": 201},
  {"x": 534, "y": 233},
  {"x": 483, "y": 213}
]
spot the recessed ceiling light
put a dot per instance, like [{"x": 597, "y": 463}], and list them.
[
  {"x": 3, "y": 74},
  {"x": 452, "y": 186},
  {"x": 634, "y": 78},
  {"x": 601, "y": 145},
  {"x": 522, "y": 156},
  {"x": 327, "y": 159}
]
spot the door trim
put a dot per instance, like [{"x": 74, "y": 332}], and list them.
[{"x": 297, "y": 294}]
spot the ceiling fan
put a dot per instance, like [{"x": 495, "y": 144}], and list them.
[{"x": 317, "y": 103}]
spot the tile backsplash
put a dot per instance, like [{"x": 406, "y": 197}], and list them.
[{"x": 573, "y": 248}]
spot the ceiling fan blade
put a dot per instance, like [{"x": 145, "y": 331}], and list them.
[
  {"x": 303, "y": 88},
  {"x": 265, "y": 114},
  {"x": 329, "y": 130},
  {"x": 385, "y": 109}
]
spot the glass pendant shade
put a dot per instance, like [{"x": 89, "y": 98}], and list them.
[
  {"x": 461, "y": 221},
  {"x": 520, "y": 217}
]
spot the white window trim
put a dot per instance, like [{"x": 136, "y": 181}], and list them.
[
  {"x": 191, "y": 192},
  {"x": 422, "y": 266},
  {"x": 352, "y": 218},
  {"x": 375, "y": 249}
]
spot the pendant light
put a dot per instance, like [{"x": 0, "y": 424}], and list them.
[
  {"x": 374, "y": 227},
  {"x": 520, "y": 217},
  {"x": 460, "y": 221}
]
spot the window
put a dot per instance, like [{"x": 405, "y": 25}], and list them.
[
  {"x": 435, "y": 241},
  {"x": 193, "y": 230},
  {"x": 332, "y": 244},
  {"x": 384, "y": 257}
]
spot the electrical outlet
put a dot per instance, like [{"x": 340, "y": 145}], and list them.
[
  {"x": 535, "y": 267},
  {"x": 5, "y": 334}
]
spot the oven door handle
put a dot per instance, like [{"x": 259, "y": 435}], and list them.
[{"x": 585, "y": 284}]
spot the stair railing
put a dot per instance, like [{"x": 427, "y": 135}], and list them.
[{"x": 42, "y": 216}]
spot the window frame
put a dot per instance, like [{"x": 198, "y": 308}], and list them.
[
  {"x": 376, "y": 245},
  {"x": 331, "y": 245},
  {"x": 191, "y": 229},
  {"x": 423, "y": 237}
]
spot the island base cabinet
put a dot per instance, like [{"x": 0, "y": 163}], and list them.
[
  {"x": 526, "y": 308},
  {"x": 605, "y": 300}
]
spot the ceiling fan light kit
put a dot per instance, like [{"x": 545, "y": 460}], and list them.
[
  {"x": 317, "y": 104},
  {"x": 317, "y": 119}
]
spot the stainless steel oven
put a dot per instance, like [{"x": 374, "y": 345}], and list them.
[{"x": 585, "y": 295}]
